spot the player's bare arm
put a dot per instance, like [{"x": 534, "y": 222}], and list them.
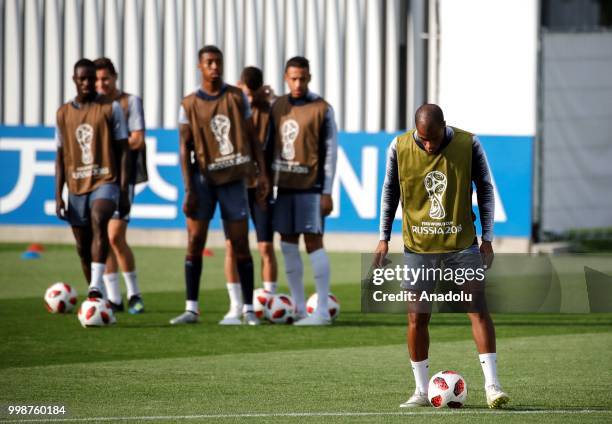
[
  {"x": 136, "y": 140},
  {"x": 60, "y": 179},
  {"x": 327, "y": 204},
  {"x": 186, "y": 147},
  {"x": 124, "y": 174},
  {"x": 263, "y": 182}
]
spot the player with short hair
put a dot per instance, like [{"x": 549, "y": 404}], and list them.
[
  {"x": 215, "y": 129},
  {"x": 431, "y": 170},
  {"x": 259, "y": 97},
  {"x": 121, "y": 254},
  {"x": 303, "y": 138},
  {"x": 91, "y": 137}
]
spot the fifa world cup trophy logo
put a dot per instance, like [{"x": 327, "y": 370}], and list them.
[
  {"x": 289, "y": 132},
  {"x": 220, "y": 126},
  {"x": 84, "y": 136},
  {"x": 435, "y": 184}
]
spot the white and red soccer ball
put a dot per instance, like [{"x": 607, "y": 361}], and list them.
[
  {"x": 447, "y": 388},
  {"x": 60, "y": 298},
  {"x": 332, "y": 305},
  {"x": 96, "y": 313},
  {"x": 280, "y": 309},
  {"x": 260, "y": 300}
]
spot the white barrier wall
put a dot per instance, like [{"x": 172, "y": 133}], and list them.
[
  {"x": 488, "y": 65},
  {"x": 375, "y": 61},
  {"x": 154, "y": 45}
]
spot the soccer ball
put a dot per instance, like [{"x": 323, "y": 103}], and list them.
[
  {"x": 60, "y": 298},
  {"x": 280, "y": 309},
  {"x": 332, "y": 304},
  {"x": 447, "y": 388},
  {"x": 260, "y": 300},
  {"x": 96, "y": 313}
]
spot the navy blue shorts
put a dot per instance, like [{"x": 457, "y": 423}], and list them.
[
  {"x": 262, "y": 219},
  {"x": 79, "y": 205},
  {"x": 232, "y": 198},
  {"x": 298, "y": 213}
]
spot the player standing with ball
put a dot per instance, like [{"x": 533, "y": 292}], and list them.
[
  {"x": 259, "y": 97},
  {"x": 431, "y": 169},
  {"x": 91, "y": 137},
  {"x": 121, "y": 254},
  {"x": 303, "y": 136}
]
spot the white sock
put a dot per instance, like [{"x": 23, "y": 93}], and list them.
[
  {"x": 235, "y": 295},
  {"x": 192, "y": 306},
  {"x": 295, "y": 274},
  {"x": 111, "y": 282},
  {"x": 320, "y": 270},
  {"x": 97, "y": 279},
  {"x": 131, "y": 284},
  {"x": 247, "y": 308},
  {"x": 270, "y": 286},
  {"x": 488, "y": 362},
  {"x": 421, "y": 375}
]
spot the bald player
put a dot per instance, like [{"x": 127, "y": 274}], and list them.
[{"x": 437, "y": 165}]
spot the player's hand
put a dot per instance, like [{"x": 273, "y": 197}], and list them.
[
  {"x": 486, "y": 251},
  {"x": 60, "y": 208},
  {"x": 380, "y": 253},
  {"x": 327, "y": 204},
  {"x": 124, "y": 203},
  {"x": 190, "y": 205},
  {"x": 262, "y": 191}
]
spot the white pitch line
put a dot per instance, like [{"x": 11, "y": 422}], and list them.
[{"x": 317, "y": 414}]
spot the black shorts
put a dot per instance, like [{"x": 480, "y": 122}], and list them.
[
  {"x": 262, "y": 219},
  {"x": 232, "y": 198}
]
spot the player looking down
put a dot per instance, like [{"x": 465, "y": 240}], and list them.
[{"x": 431, "y": 170}]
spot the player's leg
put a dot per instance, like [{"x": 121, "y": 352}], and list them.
[
  {"x": 321, "y": 273},
  {"x": 284, "y": 224},
  {"x": 263, "y": 222},
  {"x": 234, "y": 204},
  {"x": 483, "y": 330},
  {"x": 127, "y": 263},
  {"x": 111, "y": 273},
  {"x": 308, "y": 221},
  {"x": 83, "y": 237},
  {"x": 294, "y": 271},
  {"x": 232, "y": 279},
  {"x": 269, "y": 266},
  {"x": 418, "y": 348},
  {"x": 197, "y": 230},
  {"x": 101, "y": 211},
  {"x": 419, "y": 315},
  {"x": 239, "y": 239},
  {"x": 78, "y": 216}
]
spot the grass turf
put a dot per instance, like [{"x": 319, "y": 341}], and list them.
[{"x": 554, "y": 366}]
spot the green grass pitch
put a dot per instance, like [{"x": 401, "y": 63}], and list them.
[{"x": 555, "y": 367}]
